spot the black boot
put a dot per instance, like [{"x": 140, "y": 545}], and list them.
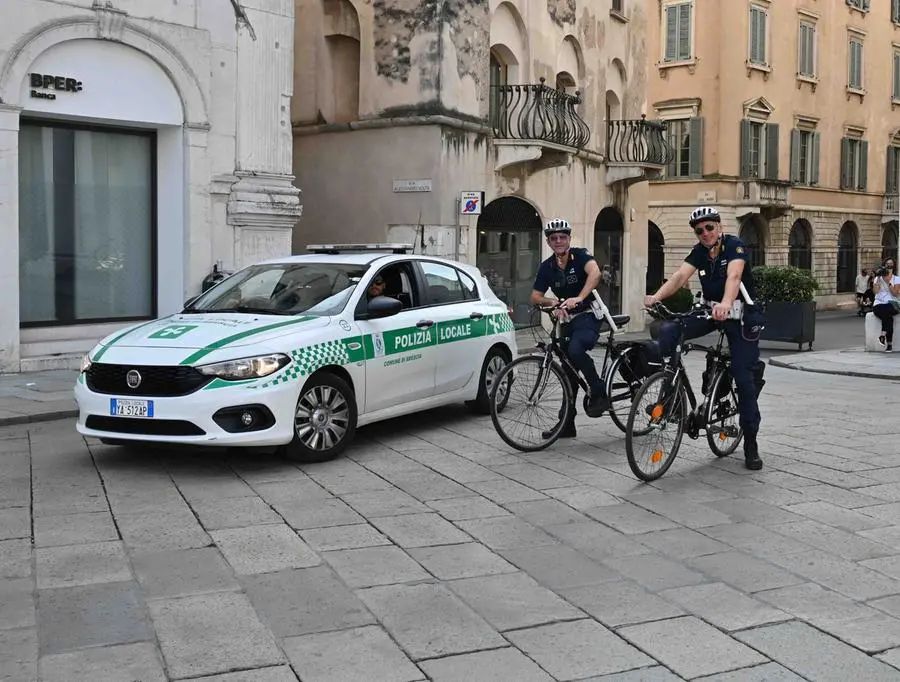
[
  {"x": 751, "y": 453},
  {"x": 567, "y": 432}
]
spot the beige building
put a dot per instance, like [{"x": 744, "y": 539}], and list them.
[
  {"x": 786, "y": 115},
  {"x": 465, "y": 131}
]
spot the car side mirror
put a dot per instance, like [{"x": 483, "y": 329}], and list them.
[{"x": 380, "y": 306}]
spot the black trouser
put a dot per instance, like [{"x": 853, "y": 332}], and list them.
[
  {"x": 582, "y": 333},
  {"x": 885, "y": 312},
  {"x": 744, "y": 356}
]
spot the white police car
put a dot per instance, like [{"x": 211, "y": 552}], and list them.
[{"x": 300, "y": 351}]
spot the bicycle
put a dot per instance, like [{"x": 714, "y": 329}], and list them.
[
  {"x": 669, "y": 394},
  {"x": 533, "y": 395}
]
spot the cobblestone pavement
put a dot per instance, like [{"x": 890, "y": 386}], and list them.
[{"x": 432, "y": 551}]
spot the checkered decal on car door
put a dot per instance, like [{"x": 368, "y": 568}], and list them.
[{"x": 307, "y": 360}]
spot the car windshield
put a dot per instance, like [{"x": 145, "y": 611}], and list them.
[{"x": 283, "y": 289}]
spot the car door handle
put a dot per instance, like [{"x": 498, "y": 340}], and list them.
[
  {"x": 476, "y": 316},
  {"x": 425, "y": 324}
]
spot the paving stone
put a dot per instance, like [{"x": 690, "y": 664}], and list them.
[
  {"x": 849, "y": 499},
  {"x": 17, "y": 604},
  {"x": 543, "y": 513},
  {"x": 889, "y": 511},
  {"x": 889, "y": 492},
  {"x": 100, "y": 562},
  {"x": 342, "y": 476},
  {"x": 317, "y": 513},
  {"x": 690, "y": 647},
  {"x": 506, "y": 533},
  {"x": 533, "y": 476},
  {"x": 428, "y": 620},
  {"x": 365, "y": 653},
  {"x": 578, "y": 649},
  {"x": 815, "y": 604},
  {"x": 630, "y": 519},
  {"x": 213, "y": 633},
  {"x": 15, "y": 558},
  {"x": 18, "y": 656},
  {"x": 281, "y": 673},
  {"x": 486, "y": 666},
  {"x": 371, "y": 566},
  {"x": 182, "y": 572},
  {"x": 891, "y": 657},
  {"x": 768, "y": 672},
  {"x": 420, "y": 530},
  {"x": 839, "y": 517},
  {"x": 872, "y": 634},
  {"x": 105, "y": 664},
  {"x": 15, "y": 523},
  {"x": 343, "y": 537},
  {"x": 74, "y": 529},
  {"x": 621, "y": 603},
  {"x": 303, "y": 601},
  {"x": 597, "y": 541},
  {"x": 745, "y": 572},
  {"x": 512, "y": 600},
  {"x": 463, "y": 508},
  {"x": 682, "y": 511},
  {"x": 815, "y": 655},
  {"x": 724, "y": 607},
  {"x": 846, "y": 577},
  {"x": 504, "y": 491},
  {"x": 297, "y": 490},
  {"x": 393, "y": 502},
  {"x": 449, "y": 562},
  {"x": 430, "y": 486},
  {"x": 654, "y": 572},
  {"x": 753, "y": 511},
  {"x": 654, "y": 674},
  {"x": 15, "y": 491},
  {"x": 159, "y": 531},
  {"x": 559, "y": 567},
  {"x": 91, "y": 615},
  {"x": 889, "y": 535},
  {"x": 583, "y": 497},
  {"x": 264, "y": 549},
  {"x": 834, "y": 540},
  {"x": 682, "y": 543},
  {"x": 234, "y": 512},
  {"x": 147, "y": 497},
  {"x": 452, "y": 466}
]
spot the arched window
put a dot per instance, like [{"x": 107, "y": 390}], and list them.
[
  {"x": 889, "y": 240},
  {"x": 800, "y": 245},
  {"x": 754, "y": 238},
  {"x": 342, "y": 43},
  {"x": 656, "y": 257},
  {"x": 848, "y": 258}
]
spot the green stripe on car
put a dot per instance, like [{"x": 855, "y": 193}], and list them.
[
  {"x": 221, "y": 343},
  {"x": 105, "y": 348}
]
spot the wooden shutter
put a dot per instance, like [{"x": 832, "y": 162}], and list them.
[
  {"x": 845, "y": 161},
  {"x": 795, "y": 156},
  {"x": 772, "y": 151},
  {"x": 814, "y": 159},
  {"x": 695, "y": 162},
  {"x": 684, "y": 30},
  {"x": 896, "y": 93},
  {"x": 895, "y": 11},
  {"x": 890, "y": 183},
  {"x": 806, "y": 57},
  {"x": 757, "y": 35},
  {"x": 863, "y": 183},
  {"x": 745, "y": 148},
  {"x": 855, "y": 64},
  {"x": 671, "y": 33}
]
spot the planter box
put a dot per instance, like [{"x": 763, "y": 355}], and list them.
[{"x": 791, "y": 323}]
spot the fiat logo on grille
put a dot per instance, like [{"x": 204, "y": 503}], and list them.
[{"x": 133, "y": 378}]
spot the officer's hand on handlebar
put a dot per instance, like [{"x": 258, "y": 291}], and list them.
[
  {"x": 570, "y": 303},
  {"x": 650, "y": 301},
  {"x": 720, "y": 311}
]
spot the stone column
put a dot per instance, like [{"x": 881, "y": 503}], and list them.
[
  {"x": 9, "y": 237},
  {"x": 264, "y": 205}
]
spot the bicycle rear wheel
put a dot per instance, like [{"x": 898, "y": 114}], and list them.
[
  {"x": 655, "y": 427},
  {"x": 621, "y": 387},
  {"x": 530, "y": 403},
  {"x": 723, "y": 430}
]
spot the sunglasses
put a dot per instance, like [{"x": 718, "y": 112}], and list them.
[
  {"x": 378, "y": 282},
  {"x": 558, "y": 237},
  {"x": 711, "y": 227}
]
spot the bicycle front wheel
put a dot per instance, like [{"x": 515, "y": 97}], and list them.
[
  {"x": 723, "y": 430},
  {"x": 536, "y": 402},
  {"x": 655, "y": 427},
  {"x": 621, "y": 387}
]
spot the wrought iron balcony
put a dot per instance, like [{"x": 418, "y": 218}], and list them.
[
  {"x": 638, "y": 143},
  {"x": 891, "y": 206},
  {"x": 537, "y": 112}
]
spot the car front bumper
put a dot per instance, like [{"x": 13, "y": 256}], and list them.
[{"x": 173, "y": 416}]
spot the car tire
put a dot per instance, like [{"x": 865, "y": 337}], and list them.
[
  {"x": 495, "y": 360},
  {"x": 324, "y": 420}
]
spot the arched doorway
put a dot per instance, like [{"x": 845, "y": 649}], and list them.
[
  {"x": 656, "y": 257},
  {"x": 848, "y": 257},
  {"x": 800, "y": 245},
  {"x": 509, "y": 252},
  {"x": 753, "y": 234},
  {"x": 609, "y": 228},
  {"x": 889, "y": 240}
]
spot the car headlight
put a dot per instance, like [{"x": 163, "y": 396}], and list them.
[
  {"x": 245, "y": 368},
  {"x": 85, "y": 362}
]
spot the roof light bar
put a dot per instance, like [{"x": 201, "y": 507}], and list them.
[{"x": 334, "y": 249}]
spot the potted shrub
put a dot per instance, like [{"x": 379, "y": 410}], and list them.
[{"x": 787, "y": 294}]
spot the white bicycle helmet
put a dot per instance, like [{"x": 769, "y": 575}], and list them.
[
  {"x": 557, "y": 225},
  {"x": 701, "y": 213}
]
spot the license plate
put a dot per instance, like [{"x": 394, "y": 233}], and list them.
[{"x": 130, "y": 408}]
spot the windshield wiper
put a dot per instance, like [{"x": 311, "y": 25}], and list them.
[{"x": 236, "y": 309}]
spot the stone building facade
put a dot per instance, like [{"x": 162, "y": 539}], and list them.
[
  {"x": 141, "y": 144},
  {"x": 463, "y": 126}
]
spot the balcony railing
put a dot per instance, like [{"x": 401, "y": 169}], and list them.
[
  {"x": 639, "y": 143},
  {"x": 891, "y": 204},
  {"x": 775, "y": 193},
  {"x": 537, "y": 112}
]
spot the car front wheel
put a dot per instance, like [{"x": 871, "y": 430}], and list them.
[
  {"x": 324, "y": 420},
  {"x": 494, "y": 362}
]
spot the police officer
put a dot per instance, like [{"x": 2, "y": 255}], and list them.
[
  {"x": 721, "y": 260},
  {"x": 572, "y": 274}
]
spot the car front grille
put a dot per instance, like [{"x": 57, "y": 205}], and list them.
[
  {"x": 156, "y": 380},
  {"x": 143, "y": 427}
]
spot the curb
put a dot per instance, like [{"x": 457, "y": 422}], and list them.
[
  {"x": 36, "y": 418},
  {"x": 838, "y": 372}
]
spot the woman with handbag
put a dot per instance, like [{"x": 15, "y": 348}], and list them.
[{"x": 886, "y": 286}]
